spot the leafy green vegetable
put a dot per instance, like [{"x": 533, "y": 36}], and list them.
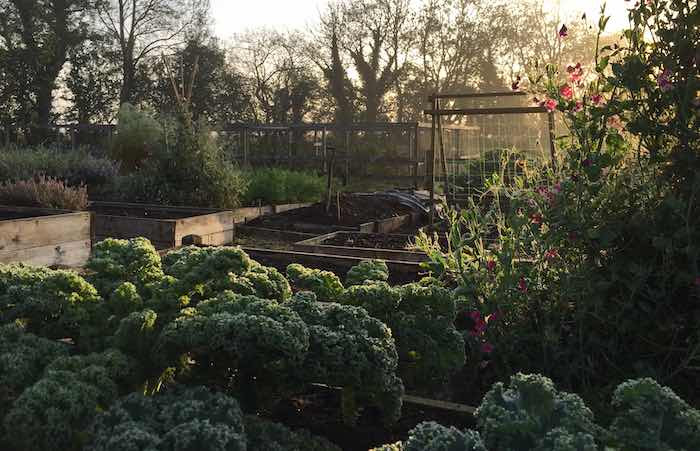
[
  {"x": 324, "y": 284},
  {"x": 366, "y": 271}
]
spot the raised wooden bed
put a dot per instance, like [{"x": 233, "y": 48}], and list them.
[
  {"x": 164, "y": 226},
  {"x": 44, "y": 237},
  {"x": 317, "y": 245}
]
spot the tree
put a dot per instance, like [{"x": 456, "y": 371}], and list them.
[
  {"x": 378, "y": 43},
  {"x": 92, "y": 82},
  {"x": 142, "y": 27},
  {"x": 37, "y": 36},
  {"x": 325, "y": 52},
  {"x": 219, "y": 92},
  {"x": 282, "y": 84}
]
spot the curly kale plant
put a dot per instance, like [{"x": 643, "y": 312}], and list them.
[
  {"x": 55, "y": 412},
  {"x": 422, "y": 322},
  {"x": 192, "y": 419},
  {"x": 202, "y": 273},
  {"x": 324, "y": 284},
  {"x": 367, "y": 271},
  {"x": 531, "y": 414},
  {"x": 116, "y": 261},
  {"x": 350, "y": 349},
  {"x": 53, "y": 303},
  {"x": 179, "y": 421},
  {"x": 652, "y": 417},
  {"x": 23, "y": 357},
  {"x": 248, "y": 343},
  {"x": 269, "y": 436}
]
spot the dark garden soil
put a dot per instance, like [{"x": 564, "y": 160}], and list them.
[
  {"x": 319, "y": 412},
  {"x": 354, "y": 210},
  {"x": 371, "y": 240}
]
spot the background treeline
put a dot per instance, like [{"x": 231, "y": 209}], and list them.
[{"x": 362, "y": 60}]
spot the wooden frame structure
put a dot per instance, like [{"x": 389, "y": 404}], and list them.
[{"x": 436, "y": 113}]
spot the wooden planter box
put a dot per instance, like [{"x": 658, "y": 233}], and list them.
[
  {"x": 245, "y": 214},
  {"x": 164, "y": 226},
  {"x": 44, "y": 237},
  {"x": 316, "y": 245}
]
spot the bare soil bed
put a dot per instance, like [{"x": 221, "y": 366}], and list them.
[
  {"x": 371, "y": 241},
  {"x": 354, "y": 211}
]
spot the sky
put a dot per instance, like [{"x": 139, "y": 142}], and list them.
[{"x": 235, "y": 16}]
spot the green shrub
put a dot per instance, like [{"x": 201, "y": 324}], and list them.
[
  {"x": 43, "y": 192},
  {"x": 281, "y": 186},
  {"x": 138, "y": 136},
  {"x": 73, "y": 167}
]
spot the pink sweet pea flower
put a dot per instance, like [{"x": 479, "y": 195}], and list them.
[
  {"x": 550, "y": 105},
  {"x": 697, "y": 281},
  {"x": 566, "y": 92},
  {"x": 536, "y": 218},
  {"x": 577, "y": 107},
  {"x": 551, "y": 254},
  {"x": 597, "y": 99},
  {"x": 664, "y": 81},
  {"x": 491, "y": 265},
  {"x": 486, "y": 348},
  {"x": 563, "y": 31},
  {"x": 575, "y": 73},
  {"x": 615, "y": 122},
  {"x": 522, "y": 285},
  {"x": 495, "y": 316}
]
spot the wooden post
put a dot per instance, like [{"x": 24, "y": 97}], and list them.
[
  {"x": 443, "y": 158},
  {"x": 415, "y": 155},
  {"x": 552, "y": 150},
  {"x": 245, "y": 146},
  {"x": 431, "y": 162},
  {"x": 347, "y": 157},
  {"x": 325, "y": 151},
  {"x": 290, "y": 143}
]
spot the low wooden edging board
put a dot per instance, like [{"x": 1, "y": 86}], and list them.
[
  {"x": 399, "y": 271},
  {"x": 166, "y": 227},
  {"x": 45, "y": 237},
  {"x": 246, "y": 214},
  {"x": 316, "y": 245}
]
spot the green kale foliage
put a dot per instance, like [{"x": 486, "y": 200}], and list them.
[
  {"x": 532, "y": 415},
  {"x": 53, "y": 303},
  {"x": 266, "y": 435},
  {"x": 430, "y": 436},
  {"x": 366, "y": 271},
  {"x": 422, "y": 323},
  {"x": 649, "y": 416},
  {"x": 54, "y": 412},
  {"x": 116, "y": 261},
  {"x": 202, "y": 273},
  {"x": 192, "y": 419},
  {"x": 324, "y": 284},
  {"x": 350, "y": 349},
  {"x": 179, "y": 420}
]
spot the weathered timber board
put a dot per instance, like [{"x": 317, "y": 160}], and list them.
[
  {"x": 175, "y": 227},
  {"x": 53, "y": 237},
  {"x": 315, "y": 245}
]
